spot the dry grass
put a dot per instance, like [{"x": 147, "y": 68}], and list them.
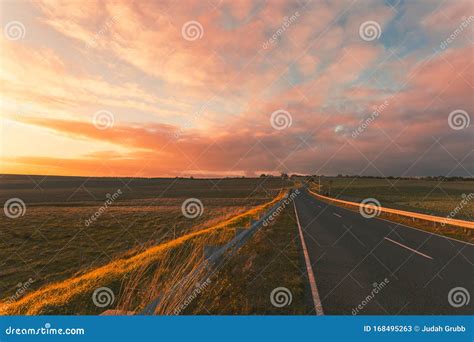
[
  {"x": 272, "y": 258},
  {"x": 430, "y": 197},
  {"x": 51, "y": 242},
  {"x": 452, "y": 231},
  {"x": 164, "y": 263}
]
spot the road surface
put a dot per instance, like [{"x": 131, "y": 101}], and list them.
[{"x": 373, "y": 266}]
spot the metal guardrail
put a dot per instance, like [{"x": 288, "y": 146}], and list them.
[
  {"x": 214, "y": 258},
  {"x": 430, "y": 218}
]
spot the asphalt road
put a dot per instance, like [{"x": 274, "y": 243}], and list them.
[{"x": 351, "y": 256}]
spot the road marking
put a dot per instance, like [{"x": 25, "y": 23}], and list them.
[
  {"x": 399, "y": 224},
  {"x": 337, "y": 215},
  {"x": 431, "y": 218},
  {"x": 425, "y": 231},
  {"x": 411, "y": 249},
  {"x": 312, "y": 282}
]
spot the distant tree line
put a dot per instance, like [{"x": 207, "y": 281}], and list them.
[
  {"x": 430, "y": 178},
  {"x": 284, "y": 175}
]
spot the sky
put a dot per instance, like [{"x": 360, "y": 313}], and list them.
[{"x": 237, "y": 88}]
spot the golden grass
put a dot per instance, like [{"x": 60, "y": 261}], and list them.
[
  {"x": 271, "y": 258},
  {"x": 68, "y": 296}
]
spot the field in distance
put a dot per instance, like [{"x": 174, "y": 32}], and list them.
[
  {"x": 434, "y": 197},
  {"x": 52, "y": 241}
]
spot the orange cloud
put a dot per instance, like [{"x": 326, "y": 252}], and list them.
[{"x": 203, "y": 106}]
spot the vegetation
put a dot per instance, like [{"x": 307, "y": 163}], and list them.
[
  {"x": 157, "y": 268},
  {"x": 437, "y": 197},
  {"x": 271, "y": 259},
  {"x": 52, "y": 241}
]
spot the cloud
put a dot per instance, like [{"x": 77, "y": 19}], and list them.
[{"x": 204, "y": 106}]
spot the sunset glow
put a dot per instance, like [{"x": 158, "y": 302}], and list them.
[{"x": 156, "y": 88}]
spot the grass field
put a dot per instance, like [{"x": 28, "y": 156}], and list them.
[
  {"x": 141, "y": 245},
  {"x": 437, "y": 198},
  {"x": 271, "y": 260},
  {"x": 51, "y": 241}
]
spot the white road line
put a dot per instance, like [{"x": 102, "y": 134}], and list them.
[
  {"x": 337, "y": 215},
  {"x": 312, "y": 282},
  {"x": 404, "y": 225},
  {"x": 411, "y": 249}
]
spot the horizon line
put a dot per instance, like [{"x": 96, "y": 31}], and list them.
[{"x": 239, "y": 177}]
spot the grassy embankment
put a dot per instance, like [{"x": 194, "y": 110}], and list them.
[
  {"x": 160, "y": 265},
  {"x": 51, "y": 241},
  {"x": 271, "y": 259},
  {"x": 431, "y": 197},
  {"x": 419, "y": 196}
]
